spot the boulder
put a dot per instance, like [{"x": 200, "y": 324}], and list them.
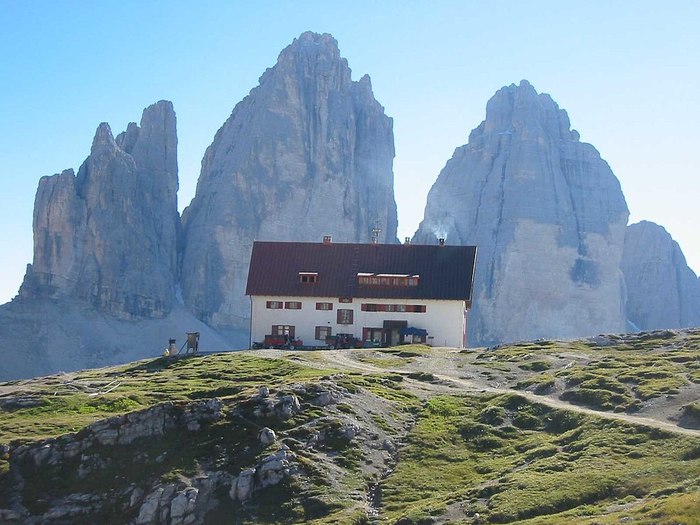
[
  {"x": 267, "y": 436},
  {"x": 273, "y": 468},
  {"x": 182, "y": 507},
  {"x": 148, "y": 512},
  {"x": 242, "y": 486},
  {"x": 287, "y": 406}
]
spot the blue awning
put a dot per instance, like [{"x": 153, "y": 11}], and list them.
[{"x": 412, "y": 330}]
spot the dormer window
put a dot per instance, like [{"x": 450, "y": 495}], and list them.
[
  {"x": 387, "y": 279},
  {"x": 308, "y": 277}
]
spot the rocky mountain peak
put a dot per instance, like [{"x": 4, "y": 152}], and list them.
[
  {"x": 312, "y": 57},
  {"x": 108, "y": 235},
  {"x": 654, "y": 267},
  {"x": 548, "y": 216},
  {"x": 520, "y": 110},
  {"x": 103, "y": 139},
  {"x": 308, "y": 152},
  {"x": 309, "y": 40}
]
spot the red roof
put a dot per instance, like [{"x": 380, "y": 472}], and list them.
[{"x": 445, "y": 272}]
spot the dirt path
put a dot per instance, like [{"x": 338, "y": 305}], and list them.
[{"x": 344, "y": 359}]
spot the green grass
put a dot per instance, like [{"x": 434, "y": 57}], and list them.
[
  {"x": 384, "y": 361},
  {"x": 620, "y": 381},
  {"x": 62, "y": 408},
  {"x": 387, "y": 387},
  {"x": 535, "y": 366},
  {"x": 622, "y": 376},
  {"x": 229, "y": 445},
  {"x": 511, "y": 460},
  {"x": 540, "y": 383}
]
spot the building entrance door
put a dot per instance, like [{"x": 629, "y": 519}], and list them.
[{"x": 392, "y": 332}]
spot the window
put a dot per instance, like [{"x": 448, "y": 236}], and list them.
[
  {"x": 345, "y": 316},
  {"x": 372, "y": 334},
  {"x": 387, "y": 279},
  {"x": 411, "y": 308},
  {"x": 274, "y": 305},
  {"x": 322, "y": 332},
  {"x": 308, "y": 277},
  {"x": 283, "y": 329},
  {"x": 324, "y": 306},
  {"x": 292, "y": 305},
  {"x": 345, "y": 299}
]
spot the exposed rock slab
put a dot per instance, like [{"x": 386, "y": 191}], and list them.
[
  {"x": 308, "y": 152},
  {"x": 548, "y": 217},
  {"x": 662, "y": 291}
]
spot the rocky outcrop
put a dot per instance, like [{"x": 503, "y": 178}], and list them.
[
  {"x": 548, "y": 217},
  {"x": 662, "y": 291},
  {"x": 108, "y": 235},
  {"x": 270, "y": 471},
  {"x": 177, "y": 461},
  {"x": 119, "y": 431},
  {"x": 308, "y": 152},
  {"x": 102, "y": 447}
]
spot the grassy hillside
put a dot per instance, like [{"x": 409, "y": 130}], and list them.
[{"x": 598, "y": 431}]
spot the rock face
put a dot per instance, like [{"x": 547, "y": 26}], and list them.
[
  {"x": 101, "y": 289},
  {"x": 108, "y": 236},
  {"x": 97, "y": 447},
  {"x": 308, "y": 152},
  {"x": 548, "y": 217},
  {"x": 662, "y": 291}
]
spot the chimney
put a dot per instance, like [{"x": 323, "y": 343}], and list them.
[
  {"x": 441, "y": 241},
  {"x": 407, "y": 241},
  {"x": 327, "y": 239}
]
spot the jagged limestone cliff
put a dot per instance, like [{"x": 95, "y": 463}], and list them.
[
  {"x": 662, "y": 291},
  {"x": 108, "y": 236},
  {"x": 101, "y": 288},
  {"x": 308, "y": 152},
  {"x": 548, "y": 217}
]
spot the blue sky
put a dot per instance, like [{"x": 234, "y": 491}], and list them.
[{"x": 627, "y": 72}]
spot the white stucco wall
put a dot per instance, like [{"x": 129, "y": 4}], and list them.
[{"x": 445, "y": 321}]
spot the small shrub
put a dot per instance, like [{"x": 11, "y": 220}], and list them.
[
  {"x": 441, "y": 406},
  {"x": 691, "y": 410},
  {"x": 473, "y": 430},
  {"x": 492, "y": 415},
  {"x": 691, "y": 453},
  {"x": 596, "y": 398},
  {"x": 535, "y": 366},
  {"x": 514, "y": 402},
  {"x": 484, "y": 443},
  {"x": 422, "y": 376},
  {"x": 541, "y": 452},
  {"x": 526, "y": 421}
]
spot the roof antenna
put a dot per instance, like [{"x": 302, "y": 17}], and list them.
[{"x": 375, "y": 233}]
